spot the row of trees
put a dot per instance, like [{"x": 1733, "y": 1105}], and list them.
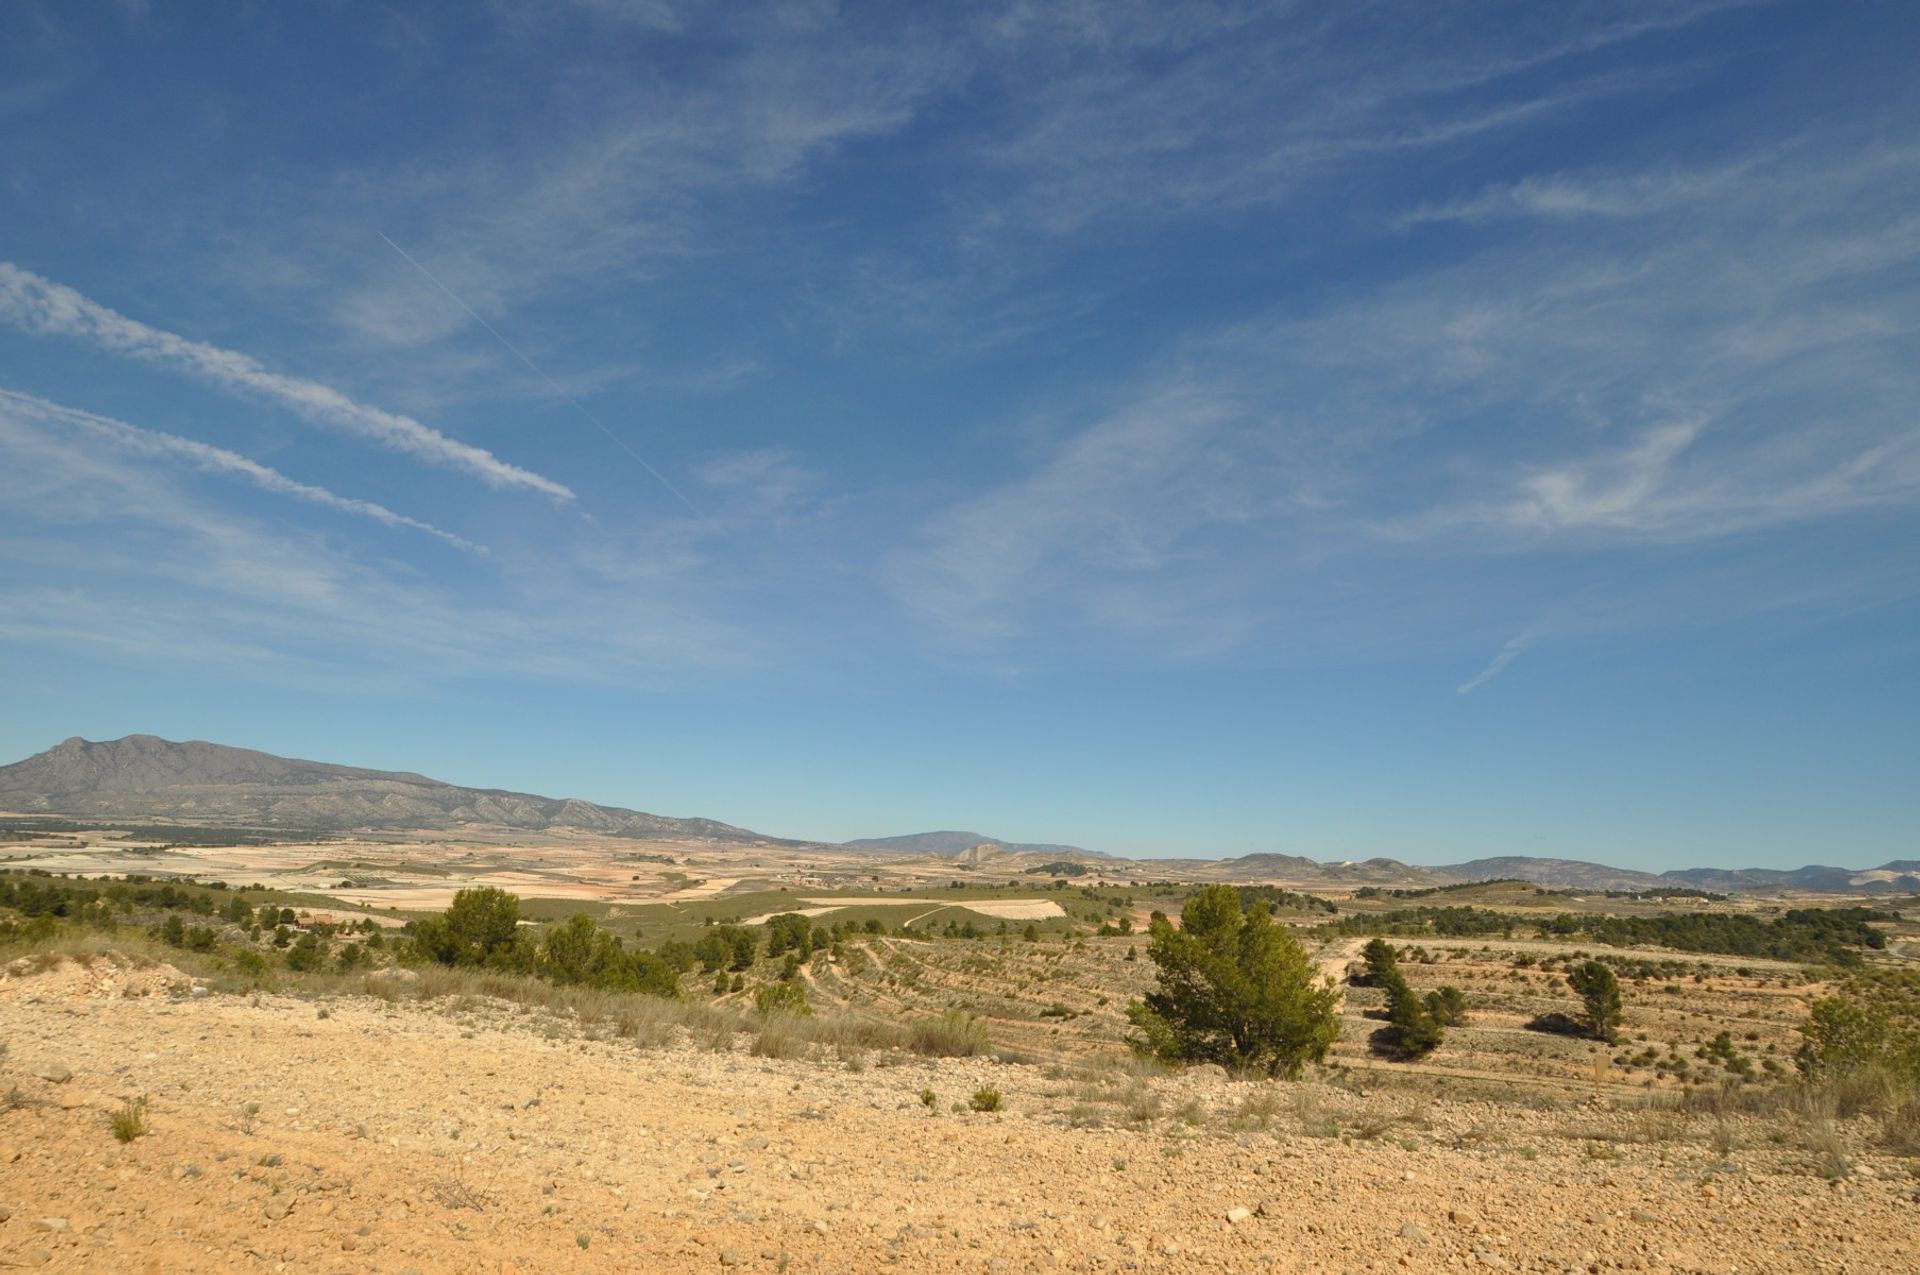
[
  {"x": 481, "y": 930},
  {"x": 1836, "y": 936}
]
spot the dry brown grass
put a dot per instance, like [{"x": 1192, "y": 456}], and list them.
[{"x": 654, "y": 1021}]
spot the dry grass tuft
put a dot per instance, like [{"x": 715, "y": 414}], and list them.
[{"x": 130, "y": 1121}]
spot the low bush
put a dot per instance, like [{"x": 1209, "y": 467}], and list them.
[
  {"x": 130, "y": 1121},
  {"x": 952, "y": 1035}
]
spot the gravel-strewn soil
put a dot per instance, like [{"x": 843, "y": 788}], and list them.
[{"x": 483, "y": 1136}]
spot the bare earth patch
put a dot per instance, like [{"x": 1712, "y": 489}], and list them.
[{"x": 485, "y": 1136}]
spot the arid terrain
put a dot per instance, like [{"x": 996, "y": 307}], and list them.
[
  {"x": 962, "y": 1096},
  {"x": 352, "y": 1133}
]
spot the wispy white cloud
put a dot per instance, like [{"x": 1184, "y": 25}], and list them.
[
  {"x": 219, "y": 460},
  {"x": 766, "y": 482},
  {"x": 1510, "y": 651},
  {"x": 45, "y": 308},
  {"x": 1567, "y": 196},
  {"x": 101, "y": 549},
  {"x": 1713, "y": 372}
]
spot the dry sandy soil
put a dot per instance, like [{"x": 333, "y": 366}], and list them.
[{"x": 484, "y": 1136}]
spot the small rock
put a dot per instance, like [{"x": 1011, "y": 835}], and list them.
[
  {"x": 37, "y": 1257},
  {"x": 278, "y": 1209},
  {"x": 55, "y": 1224},
  {"x": 1238, "y": 1215},
  {"x": 728, "y": 1257},
  {"x": 1462, "y": 1217},
  {"x": 1409, "y": 1231},
  {"x": 1642, "y": 1216},
  {"x": 199, "y": 993},
  {"x": 54, "y": 1073}
]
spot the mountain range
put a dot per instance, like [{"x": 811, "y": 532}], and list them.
[
  {"x": 143, "y": 777},
  {"x": 954, "y": 843},
  {"x": 146, "y": 777}
]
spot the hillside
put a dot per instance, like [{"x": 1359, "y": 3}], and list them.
[
  {"x": 1555, "y": 874},
  {"x": 146, "y": 777}
]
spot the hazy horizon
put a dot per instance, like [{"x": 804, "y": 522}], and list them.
[{"x": 1199, "y": 430}]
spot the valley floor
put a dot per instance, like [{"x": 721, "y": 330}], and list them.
[{"x": 484, "y": 1136}]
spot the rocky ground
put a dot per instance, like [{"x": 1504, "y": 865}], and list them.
[{"x": 356, "y": 1134}]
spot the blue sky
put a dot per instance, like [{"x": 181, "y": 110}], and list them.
[{"x": 1354, "y": 429}]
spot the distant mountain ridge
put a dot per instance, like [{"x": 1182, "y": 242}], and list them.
[
  {"x": 955, "y": 843},
  {"x": 146, "y": 777},
  {"x": 1898, "y": 877}
]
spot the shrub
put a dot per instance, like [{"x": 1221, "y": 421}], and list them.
[
  {"x": 581, "y": 954},
  {"x": 481, "y": 928},
  {"x": 952, "y": 1035},
  {"x": 1448, "y": 1006},
  {"x": 130, "y": 1121},
  {"x": 789, "y": 932},
  {"x": 678, "y": 954},
  {"x": 1383, "y": 963},
  {"x": 1233, "y": 988},
  {"x": 1411, "y": 1031},
  {"x": 1873, "y": 1022},
  {"x": 1599, "y": 992},
  {"x": 726, "y": 946},
  {"x": 782, "y": 998},
  {"x": 307, "y": 954},
  {"x": 985, "y": 1098}
]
